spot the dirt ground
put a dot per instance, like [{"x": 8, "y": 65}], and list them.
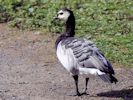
[{"x": 29, "y": 70}]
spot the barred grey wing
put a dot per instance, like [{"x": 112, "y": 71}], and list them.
[{"x": 87, "y": 54}]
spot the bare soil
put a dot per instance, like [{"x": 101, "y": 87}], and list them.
[{"x": 29, "y": 70}]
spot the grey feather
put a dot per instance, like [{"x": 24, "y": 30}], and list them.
[{"x": 87, "y": 54}]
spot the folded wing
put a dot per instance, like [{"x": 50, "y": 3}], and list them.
[{"x": 87, "y": 54}]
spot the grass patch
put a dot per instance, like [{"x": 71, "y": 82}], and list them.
[
  {"x": 118, "y": 49},
  {"x": 107, "y": 22}
]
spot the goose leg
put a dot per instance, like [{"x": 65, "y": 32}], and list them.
[
  {"x": 86, "y": 83},
  {"x": 76, "y": 84}
]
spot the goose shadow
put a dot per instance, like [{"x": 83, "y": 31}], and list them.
[{"x": 127, "y": 94}]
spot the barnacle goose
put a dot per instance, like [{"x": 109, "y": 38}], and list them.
[{"x": 80, "y": 56}]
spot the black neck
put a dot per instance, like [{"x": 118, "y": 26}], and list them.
[{"x": 69, "y": 29}]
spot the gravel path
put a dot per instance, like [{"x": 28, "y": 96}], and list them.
[{"x": 29, "y": 70}]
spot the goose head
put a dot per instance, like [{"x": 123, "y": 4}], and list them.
[
  {"x": 68, "y": 17},
  {"x": 64, "y": 14}
]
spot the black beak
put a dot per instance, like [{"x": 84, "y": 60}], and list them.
[{"x": 55, "y": 18}]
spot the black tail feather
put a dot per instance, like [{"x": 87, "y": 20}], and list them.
[
  {"x": 108, "y": 78},
  {"x": 113, "y": 79}
]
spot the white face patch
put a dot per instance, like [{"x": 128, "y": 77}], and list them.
[{"x": 63, "y": 15}]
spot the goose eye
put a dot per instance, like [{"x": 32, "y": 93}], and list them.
[{"x": 61, "y": 13}]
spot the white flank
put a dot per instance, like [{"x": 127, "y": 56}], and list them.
[{"x": 93, "y": 71}]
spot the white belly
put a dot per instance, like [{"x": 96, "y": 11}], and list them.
[{"x": 67, "y": 59}]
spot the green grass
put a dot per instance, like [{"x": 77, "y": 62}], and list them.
[
  {"x": 118, "y": 49},
  {"x": 109, "y": 23}
]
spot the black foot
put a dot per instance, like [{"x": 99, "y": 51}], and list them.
[
  {"x": 85, "y": 93},
  {"x": 76, "y": 94}
]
